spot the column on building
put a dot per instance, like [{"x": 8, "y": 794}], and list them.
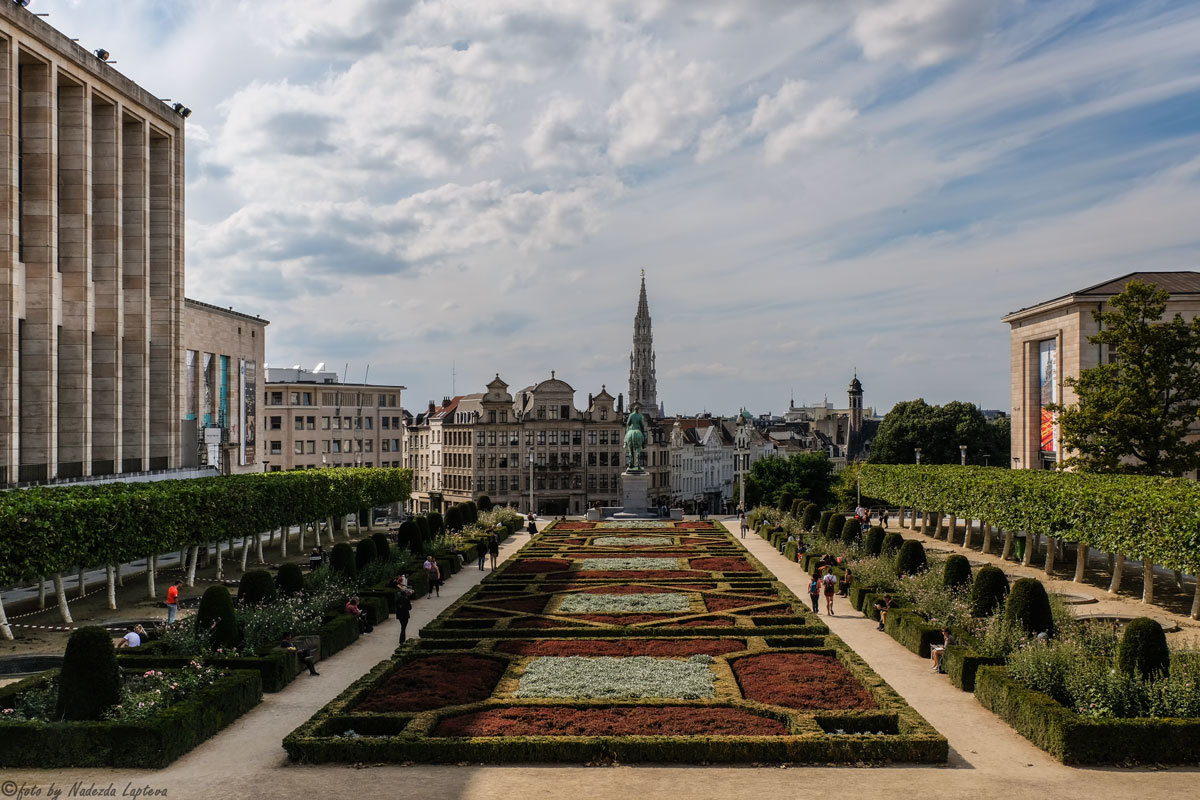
[
  {"x": 10, "y": 299},
  {"x": 135, "y": 347},
  {"x": 108, "y": 329},
  {"x": 165, "y": 305}
]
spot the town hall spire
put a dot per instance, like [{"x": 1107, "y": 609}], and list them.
[{"x": 643, "y": 384}]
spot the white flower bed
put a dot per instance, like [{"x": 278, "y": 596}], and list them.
[
  {"x": 632, "y": 541},
  {"x": 640, "y": 563},
  {"x": 634, "y": 524},
  {"x": 605, "y": 676},
  {"x": 624, "y": 603}
]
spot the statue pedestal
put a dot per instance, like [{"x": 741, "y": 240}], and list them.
[{"x": 635, "y": 494}]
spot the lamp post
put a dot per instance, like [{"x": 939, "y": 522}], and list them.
[
  {"x": 962, "y": 455},
  {"x": 986, "y": 459},
  {"x": 531, "y": 480},
  {"x": 265, "y": 463},
  {"x": 918, "y": 452}
]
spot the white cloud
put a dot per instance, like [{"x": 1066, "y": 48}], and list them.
[
  {"x": 925, "y": 32},
  {"x": 660, "y": 113}
]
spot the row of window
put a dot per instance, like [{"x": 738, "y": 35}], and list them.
[
  {"x": 302, "y": 423},
  {"x": 302, "y": 398},
  {"x": 553, "y": 483},
  {"x": 309, "y": 446}
]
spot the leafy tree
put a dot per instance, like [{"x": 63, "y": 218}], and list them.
[
  {"x": 938, "y": 431},
  {"x": 807, "y": 476},
  {"x": 1133, "y": 414}
]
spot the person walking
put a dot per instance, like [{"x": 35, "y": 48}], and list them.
[
  {"x": 493, "y": 548},
  {"x": 403, "y": 610},
  {"x": 482, "y": 546},
  {"x": 173, "y": 601},
  {"x": 814, "y": 592},
  {"x": 883, "y": 517},
  {"x": 532, "y": 526},
  {"x": 742, "y": 522},
  {"x": 829, "y": 584}
]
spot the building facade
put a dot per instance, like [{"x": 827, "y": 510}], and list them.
[
  {"x": 221, "y": 372},
  {"x": 1048, "y": 343},
  {"x": 309, "y": 420},
  {"x": 91, "y": 262}
]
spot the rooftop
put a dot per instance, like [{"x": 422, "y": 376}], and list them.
[{"x": 1182, "y": 282}]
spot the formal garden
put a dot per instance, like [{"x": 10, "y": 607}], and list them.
[
  {"x": 651, "y": 642},
  {"x": 1084, "y": 691}
]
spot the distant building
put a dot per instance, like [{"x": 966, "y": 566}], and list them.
[
  {"x": 845, "y": 434},
  {"x": 1049, "y": 343}
]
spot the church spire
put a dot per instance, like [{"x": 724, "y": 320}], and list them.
[{"x": 643, "y": 383}]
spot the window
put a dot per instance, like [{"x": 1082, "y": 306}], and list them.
[
  {"x": 383, "y": 445},
  {"x": 591, "y": 437},
  {"x": 480, "y": 438},
  {"x": 564, "y": 412},
  {"x": 541, "y": 483},
  {"x": 310, "y": 423},
  {"x": 529, "y": 438},
  {"x": 276, "y": 424},
  {"x": 604, "y": 459},
  {"x": 577, "y": 438},
  {"x": 504, "y": 416},
  {"x": 337, "y": 423},
  {"x": 324, "y": 423},
  {"x": 324, "y": 445},
  {"x": 553, "y": 481},
  {"x": 515, "y": 483},
  {"x": 395, "y": 445},
  {"x": 541, "y": 437},
  {"x": 541, "y": 412},
  {"x": 346, "y": 422},
  {"x": 592, "y": 482},
  {"x": 491, "y": 483},
  {"x": 385, "y": 422},
  {"x": 298, "y": 448},
  {"x": 591, "y": 459},
  {"x": 276, "y": 447},
  {"x": 306, "y": 398},
  {"x": 603, "y": 437},
  {"x": 358, "y": 447},
  {"x": 337, "y": 445},
  {"x": 553, "y": 437},
  {"x": 369, "y": 423},
  {"x": 396, "y": 423},
  {"x": 479, "y": 484},
  {"x": 276, "y": 398},
  {"x": 577, "y": 458},
  {"x": 604, "y": 413},
  {"x": 294, "y": 398},
  {"x": 369, "y": 444},
  {"x": 391, "y": 401},
  {"x": 298, "y": 424},
  {"x": 492, "y": 461},
  {"x": 603, "y": 483},
  {"x": 382, "y": 400},
  {"x": 491, "y": 416},
  {"x": 503, "y": 462},
  {"x": 541, "y": 459},
  {"x": 554, "y": 459},
  {"x": 311, "y": 447},
  {"x": 492, "y": 439}
]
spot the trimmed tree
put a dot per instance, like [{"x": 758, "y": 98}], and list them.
[
  {"x": 255, "y": 588},
  {"x": 892, "y": 542},
  {"x": 823, "y": 523},
  {"x": 811, "y": 515},
  {"x": 90, "y": 681},
  {"x": 1029, "y": 606},
  {"x": 454, "y": 518},
  {"x": 785, "y": 502},
  {"x": 1143, "y": 652},
  {"x": 988, "y": 591},
  {"x": 873, "y": 544},
  {"x": 484, "y": 503},
  {"x": 364, "y": 554},
  {"x": 290, "y": 580},
  {"x": 217, "y": 617},
  {"x": 851, "y": 530},
  {"x": 437, "y": 525},
  {"x": 383, "y": 548},
  {"x": 957, "y": 572},
  {"x": 342, "y": 561},
  {"x": 410, "y": 536},
  {"x": 911, "y": 560}
]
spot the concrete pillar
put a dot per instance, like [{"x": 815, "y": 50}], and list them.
[
  {"x": 135, "y": 348},
  {"x": 108, "y": 329},
  {"x": 74, "y": 251},
  {"x": 166, "y": 308},
  {"x": 11, "y": 285}
]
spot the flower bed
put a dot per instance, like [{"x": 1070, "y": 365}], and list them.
[
  {"x": 632, "y": 664},
  {"x": 632, "y": 541},
  {"x": 434, "y": 682}
]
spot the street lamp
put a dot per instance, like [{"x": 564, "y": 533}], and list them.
[
  {"x": 962, "y": 455},
  {"x": 265, "y": 462},
  {"x": 918, "y": 452}
]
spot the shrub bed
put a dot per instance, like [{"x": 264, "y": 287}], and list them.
[{"x": 800, "y": 680}]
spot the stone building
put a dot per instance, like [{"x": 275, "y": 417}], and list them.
[
  {"x": 311, "y": 420},
  {"x": 91, "y": 271},
  {"x": 221, "y": 372},
  {"x": 1048, "y": 343}
]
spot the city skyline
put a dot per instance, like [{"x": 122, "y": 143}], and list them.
[{"x": 810, "y": 189}]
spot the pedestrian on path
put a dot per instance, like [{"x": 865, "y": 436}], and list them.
[
  {"x": 173, "y": 601},
  {"x": 435, "y": 575},
  {"x": 883, "y": 517},
  {"x": 829, "y": 583},
  {"x": 482, "y": 554},
  {"x": 532, "y": 527},
  {"x": 493, "y": 547},
  {"x": 742, "y": 521},
  {"x": 403, "y": 610},
  {"x": 814, "y": 592}
]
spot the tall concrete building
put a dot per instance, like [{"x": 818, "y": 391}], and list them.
[
  {"x": 643, "y": 381},
  {"x": 91, "y": 262}
]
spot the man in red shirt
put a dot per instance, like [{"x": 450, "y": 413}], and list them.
[{"x": 173, "y": 601}]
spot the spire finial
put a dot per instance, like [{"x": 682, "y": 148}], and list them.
[{"x": 643, "y": 275}]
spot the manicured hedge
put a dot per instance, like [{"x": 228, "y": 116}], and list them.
[
  {"x": 962, "y": 664},
  {"x": 912, "y": 630},
  {"x": 149, "y": 744},
  {"x": 276, "y": 669},
  {"x": 1073, "y": 739}
]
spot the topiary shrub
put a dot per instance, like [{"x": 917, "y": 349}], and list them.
[
  {"x": 255, "y": 588},
  {"x": 216, "y": 617},
  {"x": 957, "y": 572},
  {"x": 1029, "y": 606},
  {"x": 811, "y": 515},
  {"x": 471, "y": 512},
  {"x": 892, "y": 542},
  {"x": 90, "y": 681},
  {"x": 823, "y": 522},
  {"x": 988, "y": 591},
  {"x": 454, "y": 518},
  {"x": 1143, "y": 652},
  {"x": 383, "y": 548},
  {"x": 785, "y": 502},
  {"x": 484, "y": 503},
  {"x": 789, "y": 551},
  {"x": 437, "y": 525},
  {"x": 342, "y": 560},
  {"x": 364, "y": 554},
  {"x": 911, "y": 559},
  {"x": 798, "y": 508},
  {"x": 290, "y": 580},
  {"x": 409, "y": 536},
  {"x": 422, "y": 521},
  {"x": 851, "y": 530},
  {"x": 873, "y": 544}
]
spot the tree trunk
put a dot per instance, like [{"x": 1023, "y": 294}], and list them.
[
  {"x": 41, "y": 592},
  {"x": 82, "y": 584},
  {"x": 1195, "y": 603},
  {"x": 987, "y": 536},
  {"x": 357, "y": 528},
  {"x": 1081, "y": 559},
  {"x": 1030, "y": 540},
  {"x": 316, "y": 530},
  {"x": 1006, "y": 553},
  {"x": 902, "y": 510},
  {"x": 1117, "y": 571},
  {"x": 966, "y": 542},
  {"x": 6, "y": 629},
  {"x": 1051, "y": 543},
  {"x": 245, "y": 552},
  {"x": 1147, "y": 582},
  {"x": 59, "y": 592},
  {"x": 283, "y": 536},
  {"x": 110, "y": 581},
  {"x": 331, "y": 530},
  {"x": 300, "y": 540},
  {"x": 191, "y": 569},
  {"x": 271, "y": 537},
  {"x": 120, "y": 577},
  {"x": 258, "y": 549},
  {"x": 220, "y": 562},
  {"x": 1179, "y": 580},
  {"x": 151, "y": 568}
]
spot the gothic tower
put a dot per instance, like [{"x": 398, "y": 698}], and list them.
[
  {"x": 643, "y": 385},
  {"x": 856, "y": 411}
]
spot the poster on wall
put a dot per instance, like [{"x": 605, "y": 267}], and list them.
[
  {"x": 241, "y": 402},
  {"x": 249, "y": 407},
  {"x": 1048, "y": 371}
]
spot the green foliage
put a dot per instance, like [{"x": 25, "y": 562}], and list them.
[
  {"x": 798, "y": 508},
  {"x": 1143, "y": 652},
  {"x": 789, "y": 551},
  {"x": 290, "y": 580},
  {"x": 437, "y": 525},
  {"x": 892, "y": 542},
  {"x": 1029, "y": 606},
  {"x": 484, "y": 503},
  {"x": 812, "y": 513},
  {"x": 785, "y": 501},
  {"x": 938, "y": 431},
  {"x": 409, "y": 536},
  {"x": 424, "y": 527},
  {"x": 383, "y": 548},
  {"x": 823, "y": 522},
  {"x": 342, "y": 560},
  {"x": 911, "y": 559},
  {"x": 454, "y": 518},
  {"x": 216, "y": 618},
  {"x": 851, "y": 531},
  {"x": 873, "y": 544},
  {"x": 957, "y": 572},
  {"x": 471, "y": 512},
  {"x": 364, "y": 554},
  {"x": 255, "y": 588},
  {"x": 988, "y": 591},
  {"x": 1135, "y": 414},
  {"x": 90, "y": 681},
  {"x": 803, "y": 475}
]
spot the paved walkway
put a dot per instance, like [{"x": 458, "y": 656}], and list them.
[{"x": 987, "y": 758}]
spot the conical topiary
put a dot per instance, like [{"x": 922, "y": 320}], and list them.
[
  {"x": 957, "y": 572},
  {"x": 823, "y": 522},
  {"x": 472, "y": 512},
  {"x": 410, "y": 537},
  {"x": 873, "y": 544},
  {"x": 797, "y": 508},
  {"x": 811, "y": 515},
  {"x": 217, "y": 618},
  {"x": 911, "y": 559},
  {"x": 851, "y": 530},
  {"x": 484, "y": 503},
  {"x": 988, "y": 591},
  {"x": 423, "y": 526},
  {"x": 1029, "y": 606},
  {"x": 892, "y": 542},
  {"x": 437, "y": 525},
  {"x": 290, "y": 580},
  {"x": 454, "y": 518},
  {"x": 255, "y": 588},
  {"x": 364, "y": 554},
  {"x": 785, "y": 502},
  {"x": 1143, "y": 652},
  {"x": 90, "y": 681},
  {"x": 341, "y": 560},
  {"x": 383, "y": 548}
]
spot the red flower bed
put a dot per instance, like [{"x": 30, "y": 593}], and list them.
[
  {"x": 539, "y": 565},
  {"x": 720, "y": 602},
  {"x": 695, "y": 525},
  {"x": 537, "y": 623},
  {"x": 527, "y": 605},
  {"x": 435, "y": 682},
  {"x": 707, "y": 622},
  {"x": 622, "y": 619},
  {"x": 574, "y": 526},
  {"x": 800, "y": 680},
  {"x": 640, "y": 574},
  {"x": 615, "y": 588},
  {"x": 620, "y": 648},
  {"x": 722, "y": 564},
  {"x": 619, "y": 721}
]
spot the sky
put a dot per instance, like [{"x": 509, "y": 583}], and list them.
[{"x": 447, "y": 189}]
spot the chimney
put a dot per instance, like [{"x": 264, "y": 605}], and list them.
[
  {"x": 432, "y": 407},
  {"x": 590, "y": 401},
  {"x": 620, "y": 402}
]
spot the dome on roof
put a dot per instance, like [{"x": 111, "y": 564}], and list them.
[{"x": 855, "y": 386}]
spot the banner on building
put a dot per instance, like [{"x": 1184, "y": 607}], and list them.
[{"x": 1048, "y": 371}]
